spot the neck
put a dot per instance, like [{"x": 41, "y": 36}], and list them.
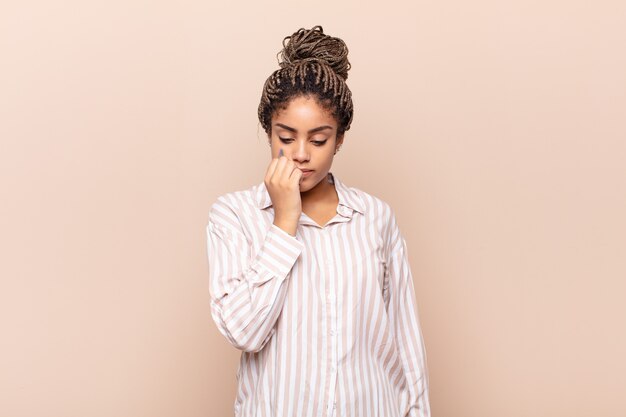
[{"x": 323, "y": 191}]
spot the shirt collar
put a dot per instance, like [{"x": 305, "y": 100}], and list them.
[{"x": 348, "y": 198}]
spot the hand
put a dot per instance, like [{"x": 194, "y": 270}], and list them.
[{"x": 282, "y": 180}]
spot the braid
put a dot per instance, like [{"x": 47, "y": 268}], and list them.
[{"x": 312, "y": 63}]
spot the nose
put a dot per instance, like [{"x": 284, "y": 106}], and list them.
[{"x": 300, "y": 152}]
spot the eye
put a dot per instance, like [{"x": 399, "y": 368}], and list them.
[
  {"x": 284, "y": 140},
  {"x": 320, "y": 142}
]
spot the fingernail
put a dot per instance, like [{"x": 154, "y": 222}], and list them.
[{"x": 280, "y": 153}]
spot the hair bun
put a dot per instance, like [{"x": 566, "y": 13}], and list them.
[{"x": 313, "y": 45}]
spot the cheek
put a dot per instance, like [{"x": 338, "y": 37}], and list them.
[{"x": 328, "y": 153}]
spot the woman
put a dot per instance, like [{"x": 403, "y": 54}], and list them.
[{"x": 309, "y": 277}]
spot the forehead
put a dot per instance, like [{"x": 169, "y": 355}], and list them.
[{"x": 304, "y": 111}]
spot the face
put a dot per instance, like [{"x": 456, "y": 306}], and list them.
[{"x": 307, "y": 134}]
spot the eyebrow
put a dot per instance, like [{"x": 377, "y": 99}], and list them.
[{"x": 291, "y": 129}]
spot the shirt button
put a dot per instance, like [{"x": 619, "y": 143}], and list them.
[{"x": 332, "y": 332}]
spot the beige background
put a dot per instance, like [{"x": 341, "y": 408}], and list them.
[{"x": 495, "y": 129}]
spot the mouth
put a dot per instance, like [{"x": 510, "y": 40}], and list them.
[{"x": 306, "y": 172}]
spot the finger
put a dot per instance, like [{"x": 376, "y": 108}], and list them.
[
  {"x": 296, "y": 175},
  {"x": 271, "y": 168},
  {"x": 290, "y": 168},
  {"x": 280, "y": 168}
]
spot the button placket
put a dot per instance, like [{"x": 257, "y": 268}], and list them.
[{"x": 331, "y": 299}]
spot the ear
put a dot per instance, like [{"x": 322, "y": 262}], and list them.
[{"x": 339, "y": 140}]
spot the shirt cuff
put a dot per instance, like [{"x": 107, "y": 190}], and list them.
[{"x": 280, "y": 251}]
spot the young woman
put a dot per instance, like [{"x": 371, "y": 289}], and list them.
[{"x": 310, "y": 277}]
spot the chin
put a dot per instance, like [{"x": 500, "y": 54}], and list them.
[{"x": 309, "y": 184}]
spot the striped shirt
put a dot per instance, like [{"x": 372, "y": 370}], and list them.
[{"x": 327, "y": 320}]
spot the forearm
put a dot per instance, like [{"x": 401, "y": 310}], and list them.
[
  {"x": 247, "y": 315},
  {"x": 247, "y": 296}
]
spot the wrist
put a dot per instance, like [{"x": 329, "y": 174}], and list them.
[{"x": 288, "y": 226}]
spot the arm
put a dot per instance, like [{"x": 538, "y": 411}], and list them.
[
  {"x": 247, "y": 294},
  {"x": 402, "y": 311}
]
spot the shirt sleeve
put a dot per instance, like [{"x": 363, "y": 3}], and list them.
[
  {"x": 403, "y": 314},
  {"x": 247, "y": 292}
]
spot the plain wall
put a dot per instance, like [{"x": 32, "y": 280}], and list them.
[{"x": 496, "y": 130}]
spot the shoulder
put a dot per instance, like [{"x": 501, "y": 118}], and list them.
[
  {"x": 380, "y": 215},
  {"x": 380, "y": 212},
  {"x": 230, "y": 206},
  {"x": 374, "y": 206}
]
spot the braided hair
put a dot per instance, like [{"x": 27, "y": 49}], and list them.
[{"x": 311, "y": 64}]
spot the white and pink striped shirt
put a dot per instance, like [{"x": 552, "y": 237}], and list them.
[{"x": 327, "y": 320}]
